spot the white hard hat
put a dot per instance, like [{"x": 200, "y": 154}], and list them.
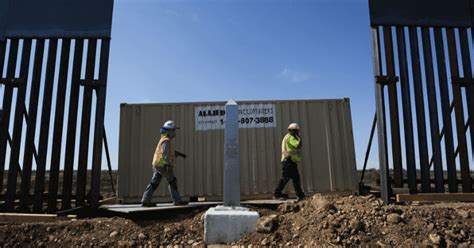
[
  {"x": 170, "y": 125},
  {"x": 294, "y": 126}
]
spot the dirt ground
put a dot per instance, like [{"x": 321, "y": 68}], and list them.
[{"x": 316, "y": 221}]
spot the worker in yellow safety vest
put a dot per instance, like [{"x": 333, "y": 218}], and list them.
[
  {"x": 163, "y": 164},
  {"x": 290, "y": 156}
]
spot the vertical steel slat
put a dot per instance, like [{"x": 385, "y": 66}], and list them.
[
  {"x": 467, "y": 69},
  {"x": 72, "y": 125},
  {"x": 45, "y": 123},
  {"x": 7, "y": 104},
  {"x": 99, "y": 124},
  {"x": 85, "y": 125},
  {"x": 31, "y": 125},
  {"x": 406, "y": 105},
  {"x": 3, "y": 137},
  {"x": 58, "y": 127},
  {"x": 393, "y": 108},
  {"x": 420, "y": 111},
  {"x": 458, "y": 109},
  {"x": 18, "y": 126},
  {"x": 109, "y": 163},
  {"x": 381, "y": 128},
  {"x": 446, "y": 109},
  {"x": 433, "y": 109},
  {"x": 367, "y": 152}
]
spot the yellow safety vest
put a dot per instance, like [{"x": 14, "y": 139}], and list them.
[
  {"x": 158, "y": 156},
  {"x": 290, "y": 147}
]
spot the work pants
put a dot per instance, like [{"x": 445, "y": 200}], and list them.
[
  {"x": 289, "y": 171},
  {"x": 158, "y": 173}
]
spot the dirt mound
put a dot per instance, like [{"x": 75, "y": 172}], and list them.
[
  {"x": 350, "y": 221},
  {"x": 319, "y": 220},
  {"x": 183, "y": 230}
]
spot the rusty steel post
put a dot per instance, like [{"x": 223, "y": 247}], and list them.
[
  {"x": 85, "y": 125},
  {"x": 433, "y": 110},
  {"x": 18, "y": 125},
  {"x": 381, "y": 128},
  {"x": 446, "y": 110},
  {"x": 58, "y": 126},
  {"x": 99, "y": 123},
  {"x": 407, "y": 107},
  {"x": 7, "y": 103},
  {"x": 459, "y": 111},
  {"x": 393, "y": 108},
  {"x": 72, "y": 124},
  {"x": 31, "y": 125},
  {"x": 45, "y": 124}
]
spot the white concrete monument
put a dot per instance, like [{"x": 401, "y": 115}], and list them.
[
  {"x": 228, "y": 223},
  {"x": 231, "y": 155}
]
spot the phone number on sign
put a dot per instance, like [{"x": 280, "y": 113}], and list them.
[{"x": 257, "y": 120}]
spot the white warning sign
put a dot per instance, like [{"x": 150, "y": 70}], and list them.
[{"x": 250, "y": 116}]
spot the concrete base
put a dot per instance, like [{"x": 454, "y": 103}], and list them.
[{"x": 228, "y": 224}]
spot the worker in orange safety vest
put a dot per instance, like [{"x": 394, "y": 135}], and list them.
[{"x": 163, "y": 164}]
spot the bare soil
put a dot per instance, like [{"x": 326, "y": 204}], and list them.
[{"x": 316, "y": 221}]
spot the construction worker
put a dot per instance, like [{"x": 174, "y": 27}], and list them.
[
  {"x": 163, "y": 165},
  {"x": 290, "y": 150}
]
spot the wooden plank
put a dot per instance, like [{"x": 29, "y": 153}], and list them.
[
  {"x": 85, "y": 125},
  {"x": 26, "y": 218},
  {"x": 45, "y": 123},
  {"x": 72, "y": 125},
  {"x": 7, "y": 105},
  {"x": 420, "y": 111},
  {"x": 137, "y": 208},
  {"x": 110, "y": 200},
  {"x": 31, "y": 125},
  {"x": 437, "y": 197},
  {"x": 433, "y": 110},
  {"x": 459, "y": 112},
  {"x": 99, "y": 124},
  {"x": 432, "y": 181},
  {"x": 58, "y": 127},
  {"x": 31, "y": 197},
  {"x": 446, "y": 110},
  {"x": 406, "y": 105},
  {"x": 18, "y": 126}
]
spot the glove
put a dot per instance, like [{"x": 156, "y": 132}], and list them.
[{"x": 179, "y": 154}]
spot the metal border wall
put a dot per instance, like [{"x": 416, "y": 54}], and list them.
[
  {"x": 49, "y": 40},
  {"x": 328, "y": 152},
  {"x": 421, "y": 50}
]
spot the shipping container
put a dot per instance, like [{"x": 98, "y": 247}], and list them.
[{"x": 328, "y": 157}]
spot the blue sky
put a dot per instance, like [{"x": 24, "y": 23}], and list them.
[{"x": 209, "y": 50}]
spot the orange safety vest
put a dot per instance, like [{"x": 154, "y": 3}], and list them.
[{"x": 158, "y": 156}]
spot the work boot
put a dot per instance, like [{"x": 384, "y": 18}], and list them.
[
  {"x": 280, "y": 196},
  {"x": 180, "y": 203},
  {"x": 299, "y": 198},
  {"x": 148, "y": 204}
]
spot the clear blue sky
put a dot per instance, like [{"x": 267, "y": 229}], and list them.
[{"x": 185, "y": 51}]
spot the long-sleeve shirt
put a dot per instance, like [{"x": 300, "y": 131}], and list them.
[{"x": 166, "y": 149}]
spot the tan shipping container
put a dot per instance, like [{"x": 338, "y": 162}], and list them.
[{"x": 328, "y": 157}]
